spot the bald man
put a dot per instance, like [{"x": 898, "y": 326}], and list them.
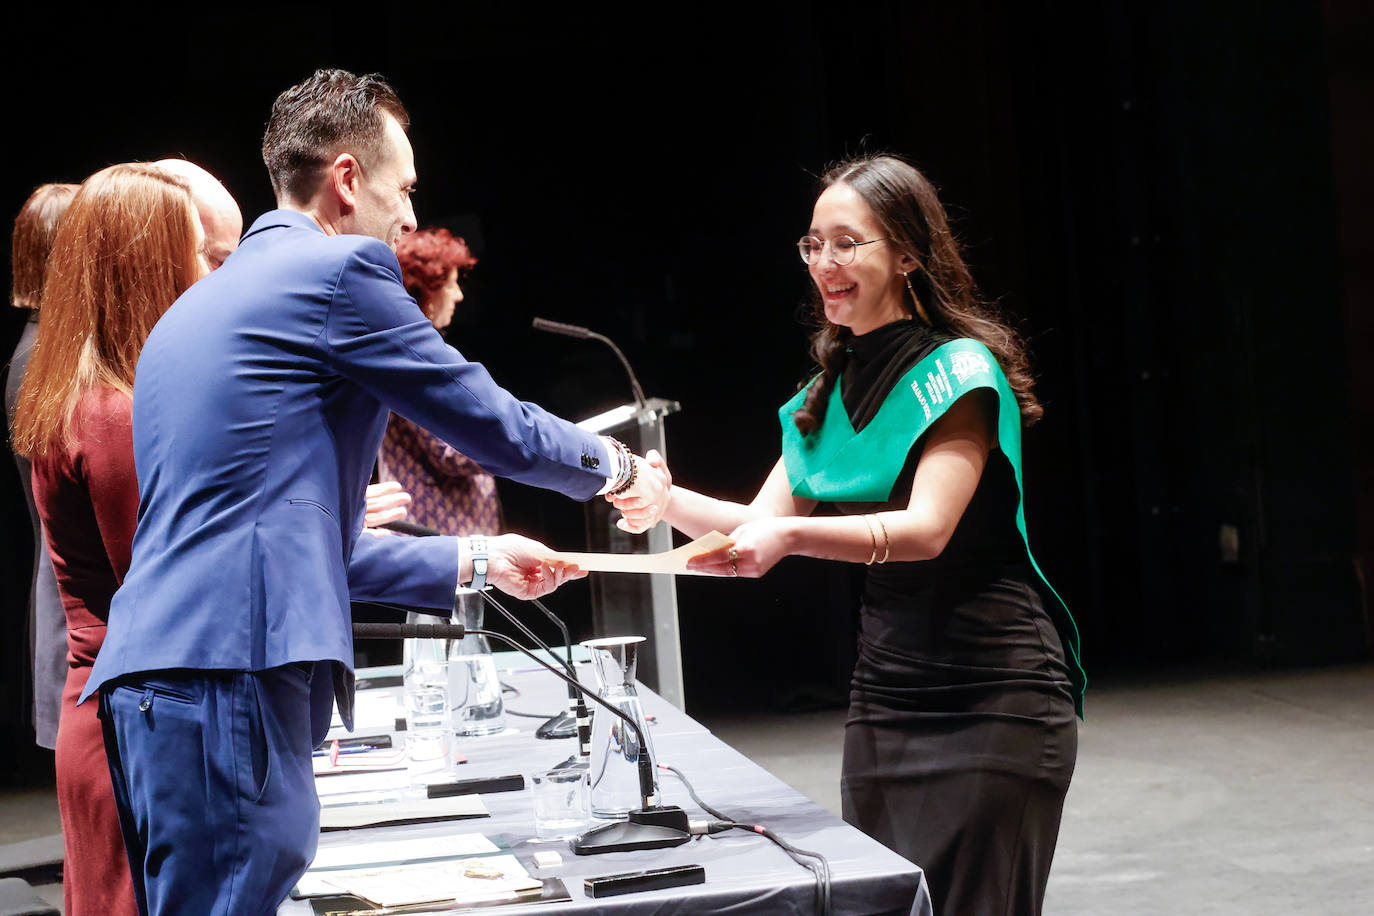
[{"x": 220, "y": 216}]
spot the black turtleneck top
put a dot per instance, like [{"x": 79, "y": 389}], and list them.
[{"x": 979, "y": 600}]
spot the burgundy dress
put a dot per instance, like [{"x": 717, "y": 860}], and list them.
[
  {"x": 449, "y": 491},
  {"x": 87, "y": 496}
]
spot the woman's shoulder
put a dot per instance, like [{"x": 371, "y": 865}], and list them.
[
  {"x": 104, "y": 401},
  {"x": 102, "y": 409}
]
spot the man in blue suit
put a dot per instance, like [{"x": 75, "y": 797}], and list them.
[{"x": 259, "y": 404}]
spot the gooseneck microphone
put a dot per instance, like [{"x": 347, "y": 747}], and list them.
[
  {"x": 581, "y": 333},
  {"x": 652, "y": 826},
  {"x": 575, "y": 720}
]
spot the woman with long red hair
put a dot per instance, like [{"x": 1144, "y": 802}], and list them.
[{"x": 129, "y": 245}]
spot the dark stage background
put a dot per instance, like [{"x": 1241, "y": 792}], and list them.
[{"x": 1173, "y": 198}]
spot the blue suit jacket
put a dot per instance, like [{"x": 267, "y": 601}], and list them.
[{"x": 260, "y": 400}]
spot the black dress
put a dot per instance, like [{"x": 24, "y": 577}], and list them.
[{"x": 961, "y": 737}]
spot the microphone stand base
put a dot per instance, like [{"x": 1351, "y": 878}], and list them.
[
  {"x": 563, "y": 725},
  {"x": 647, "y": 828}
]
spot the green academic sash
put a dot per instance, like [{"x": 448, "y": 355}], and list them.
[{"x": 836, "y": 464}]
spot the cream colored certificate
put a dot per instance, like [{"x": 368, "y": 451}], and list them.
[
  {"x": 672, "y": 562},
  {"x": 465, "y": 881}
]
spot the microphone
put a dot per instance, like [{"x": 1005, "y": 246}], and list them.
[
  {"x": 652, "y": 826},
  {"x": 580, "y": 333},
  {"x": 408, "y": 631},
  {"x": 576, "y": 720},
  {"x": 412, "y": 529}
]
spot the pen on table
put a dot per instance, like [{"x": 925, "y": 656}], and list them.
[{"x": 335, "y": 749}]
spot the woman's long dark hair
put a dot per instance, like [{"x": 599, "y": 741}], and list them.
[{"x": 913, "y": 219}]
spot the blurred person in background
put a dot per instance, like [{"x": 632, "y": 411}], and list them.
[
  {"x": 34, "y": 229},
  {"x": 450, "y": 492}
]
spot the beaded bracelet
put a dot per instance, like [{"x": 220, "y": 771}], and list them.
[{"x": 626, "y": 479}]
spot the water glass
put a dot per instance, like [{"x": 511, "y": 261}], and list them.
[
  {"x": 561, "y": 803},
  {"x": 429, "y": 736}
]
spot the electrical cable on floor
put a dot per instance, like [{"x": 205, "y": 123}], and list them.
[{"x": 820, "y": 868}]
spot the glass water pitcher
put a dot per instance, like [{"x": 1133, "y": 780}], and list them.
[{"x": 615, "y": 746}]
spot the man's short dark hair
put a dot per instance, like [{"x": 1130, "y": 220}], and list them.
[{"x": 313, "y": 122}]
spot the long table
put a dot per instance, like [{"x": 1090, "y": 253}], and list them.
[{"x": 745, "y": 872}]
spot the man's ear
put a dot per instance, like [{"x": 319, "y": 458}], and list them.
[{"x": 345, "y": 176}]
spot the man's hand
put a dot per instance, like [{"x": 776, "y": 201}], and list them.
[
  {"x": 386, "y": 502},
  {"x": 643, "y": 505},
  {"x": 516, "y": 566}
]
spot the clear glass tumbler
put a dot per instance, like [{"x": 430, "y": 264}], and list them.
[
  {"x": 560, "y": 803},
  {"x": 473, "y": 687},
  {"x": 429, "y": 734}
]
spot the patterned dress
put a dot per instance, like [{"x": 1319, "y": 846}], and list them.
[{"x": 450, "y": 492}]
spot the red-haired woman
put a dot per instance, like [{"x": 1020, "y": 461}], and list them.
[
  {"x": 34, "y": 229},
  {"x": 129, "y": 245},
  {"x": 449, "y": 492}
]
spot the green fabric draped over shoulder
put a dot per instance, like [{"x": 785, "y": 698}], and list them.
[{"x": 837, "y": 464}]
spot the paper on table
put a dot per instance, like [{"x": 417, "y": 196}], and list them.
[
  {"x": 372, "y": 710},
  {"x": 463, "y": 881},
  {"x": 399, "y": 851},
  {"x": 371, "y": 797},
  {"x": 384, "y": 759},
  {"x": 369, "y": 781},
  {"x": 364, "y": 782},
  {"x": 673, "y": 562},
  {"x": 403, "y": 811}
]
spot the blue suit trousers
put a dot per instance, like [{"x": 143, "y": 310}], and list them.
[{"x": 212, "y": 775}]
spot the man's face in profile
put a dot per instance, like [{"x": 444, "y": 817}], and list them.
[{"x": 382, "y": 207}]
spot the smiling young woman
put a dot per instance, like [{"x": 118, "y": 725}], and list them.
[
  {"x": 859, "y": 273},
  {"x": 961, "y": 738}
]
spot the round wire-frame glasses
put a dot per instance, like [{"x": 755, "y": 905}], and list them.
[{"x": 842, "y": 248}]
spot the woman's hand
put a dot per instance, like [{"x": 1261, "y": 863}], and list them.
[
  {"x": 518, "y": 566},
  {"x": 758, "y": 546},
  {"x": 386, "y": 502},
  {"x": 643, "y": 505}
]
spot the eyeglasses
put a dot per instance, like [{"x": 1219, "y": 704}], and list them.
[{"x": 842, "y": 248}]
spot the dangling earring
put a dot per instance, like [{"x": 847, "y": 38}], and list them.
[{"x": 920, "y": 309}]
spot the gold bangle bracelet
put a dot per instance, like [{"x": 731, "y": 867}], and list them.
[
  {"x": 887, "y": 542},
  {"x": 874, "y": 536}
]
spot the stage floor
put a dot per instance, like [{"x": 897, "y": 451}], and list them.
[{"x": 1235, "y": 793}]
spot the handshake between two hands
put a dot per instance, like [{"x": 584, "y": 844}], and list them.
[{"x": 523, "y": 567}]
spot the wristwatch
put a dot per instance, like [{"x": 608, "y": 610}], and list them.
[{"x": 477, "y": 544}]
